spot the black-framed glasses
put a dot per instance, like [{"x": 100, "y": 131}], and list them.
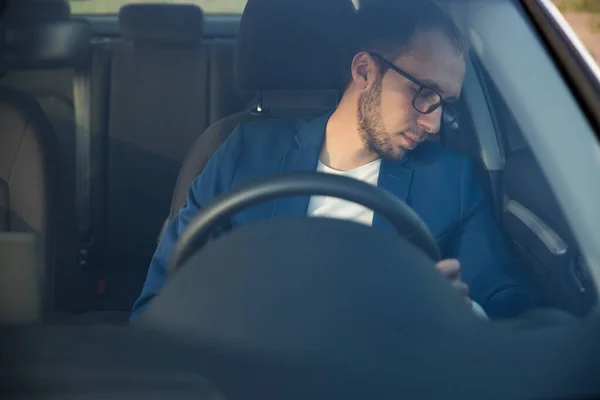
[{"x": 426, "y": 100}]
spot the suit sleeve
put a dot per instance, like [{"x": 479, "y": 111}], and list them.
[
  {"x": 497, "y": 280},
  {"x": 215, "y": 178}
]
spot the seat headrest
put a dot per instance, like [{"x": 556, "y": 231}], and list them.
[
  {"x": 293, "y": 45},
  {"x": 36, "y": 10},
  {"x": 44, "y": 44},
  {"x": 162, "y": 23}
]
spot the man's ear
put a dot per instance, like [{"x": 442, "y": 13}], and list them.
[{"x": 362, "y": 69}]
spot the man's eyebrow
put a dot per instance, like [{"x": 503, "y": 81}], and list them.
[{"x": 433, "y": 85}]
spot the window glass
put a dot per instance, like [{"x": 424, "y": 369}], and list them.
[
  {"x": 113, "y": 6},
  {"x": 584, "y": 18}
]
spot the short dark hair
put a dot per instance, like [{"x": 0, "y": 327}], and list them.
[{"x": 386, "y": 27}]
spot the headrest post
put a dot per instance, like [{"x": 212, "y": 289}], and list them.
[
  {"x": 259, "y": 109},
  {"x": 259, "y": 102}
]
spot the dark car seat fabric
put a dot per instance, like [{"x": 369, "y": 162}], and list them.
[
  {"x": 28, "y": 161},
  {"x": 292, "y": 54},
  {"x": 29, "y": 170},
  {"x": 224, "y": 95},
  {"x": 32, "y": 163},
  {"x": 162, "y": 23},
  {"x": 43, "y": 44},
  {"x": 293, "y": 45},
  {"x": 158, "y": 106},
  {"x": 36, "y": 10}
]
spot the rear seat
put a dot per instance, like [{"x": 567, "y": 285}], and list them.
[
  {"x": 52, "y": 86},
  {"x": 158, "y": 107},
  {"x": 32, "y": 162}
]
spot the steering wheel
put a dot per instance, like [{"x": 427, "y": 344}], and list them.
[{"x": 406, "y": 222}]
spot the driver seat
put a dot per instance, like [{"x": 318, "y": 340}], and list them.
[{"x": 292, "y": 54}]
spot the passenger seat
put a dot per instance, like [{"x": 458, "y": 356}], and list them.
[
  {"x": 29, "y": 166},
  {"x": 32, "y": 188}
]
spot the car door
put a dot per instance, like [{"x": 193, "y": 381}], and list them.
[
  {"x": 541, "y": 234},
  {"x": 535, "y": 222}
]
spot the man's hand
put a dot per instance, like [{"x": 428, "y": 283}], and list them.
[{"x": 451, "y": 269}]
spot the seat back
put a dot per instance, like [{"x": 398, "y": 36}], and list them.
[
  {"x": 31, "y": 161},
  {"x": 304, "y": 82},
  {"x": 29, "y": 173},
  {"x": 159, "y": 80},
  {"x": 158, "y": 105}
]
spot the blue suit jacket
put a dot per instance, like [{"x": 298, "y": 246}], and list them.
[{"x": 436, "y": 182}]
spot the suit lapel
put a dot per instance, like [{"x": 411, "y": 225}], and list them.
[
  {"x": 303, "y": 157},
  {"x": 395, "y": 177}
]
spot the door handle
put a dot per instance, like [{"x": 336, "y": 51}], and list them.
[{"x": 544, "y": 233}]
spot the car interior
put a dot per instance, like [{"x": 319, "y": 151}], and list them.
[
  {"x": 105, "y": 121},
  {"x": 109, "y": 122}
]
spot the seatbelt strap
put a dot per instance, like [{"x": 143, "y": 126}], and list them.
[{"x": 83, "y": 140}]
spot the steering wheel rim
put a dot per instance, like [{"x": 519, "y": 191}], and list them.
[{"x": 406, "y": 222}]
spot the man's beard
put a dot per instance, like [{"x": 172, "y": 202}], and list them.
[{"x": 370, "y": 123}]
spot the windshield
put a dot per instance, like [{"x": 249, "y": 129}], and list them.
[
  {"x": 457, "y": 121},
  {"x": 86, "y": 7},
  {"x": 475, "y": 128},
  {"x": 340, "y": 193}
]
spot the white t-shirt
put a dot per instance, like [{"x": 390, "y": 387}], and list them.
[
  {"x": 321, "y": 206},
  {"x": 330, "y": 207}
]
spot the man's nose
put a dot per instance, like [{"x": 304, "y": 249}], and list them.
[{"x": 431, "y": 122}]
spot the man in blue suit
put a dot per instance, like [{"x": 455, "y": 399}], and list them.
[{"x": 406, "y": 73}]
